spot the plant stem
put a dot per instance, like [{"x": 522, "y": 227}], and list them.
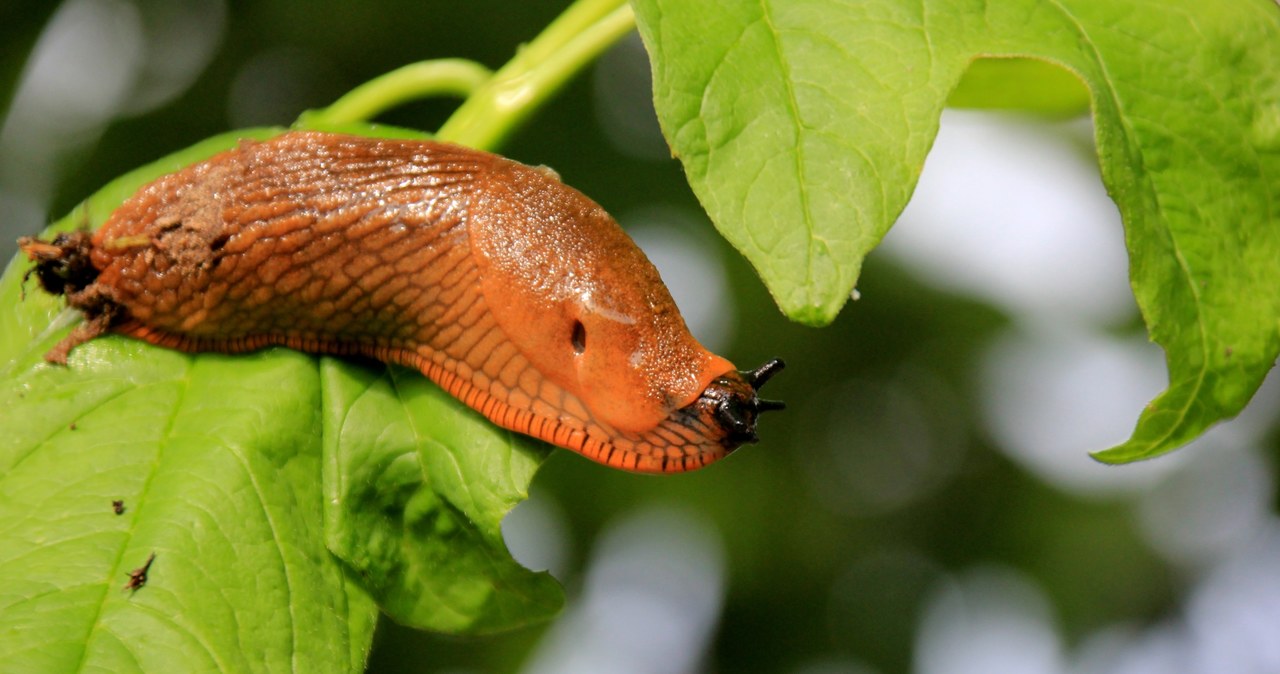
[
  {"x": 417, "y": 80},
  {"x": 496, "y": 102},
  {"x": 538, "y": 70}
]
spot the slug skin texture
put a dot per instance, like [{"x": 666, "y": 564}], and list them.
[{"x": 514, "y": 292}]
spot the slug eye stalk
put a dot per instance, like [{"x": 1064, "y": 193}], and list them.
[{"x": 761, "y": 375}]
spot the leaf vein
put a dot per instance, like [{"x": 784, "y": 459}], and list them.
[
  {"x": 165, "y": 438},
  {"x": 236, "y": 452},
  {"x": 794, "y": 105},
  {"x": 1136, "y": 152}
]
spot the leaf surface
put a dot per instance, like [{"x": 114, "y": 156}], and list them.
[
  {"x": 803, "y": 126},
  {"x": 258, "y": 482},
  {"x": 417, "y": 488}
]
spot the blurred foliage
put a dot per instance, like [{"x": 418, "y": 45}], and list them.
[{"x": 806, "y": 580}]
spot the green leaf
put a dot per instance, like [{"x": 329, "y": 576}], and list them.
[
  {"x": 216, "y": 465},
  {"x": 417, "y": 490},
  {"x": 803, "y": 127},
  {"x": 246, "y": 475},
  {"x": 1021, "y": 84}
]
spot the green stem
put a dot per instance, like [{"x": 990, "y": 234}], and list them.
[
  {"x": 538, "y": 70},
  {"x": 417, "y": 80},
  {"x": 496, "y": 102}
]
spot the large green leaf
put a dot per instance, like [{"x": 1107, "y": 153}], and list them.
[
  {"x": 418, "y": 487},
  {"x": 283, "y": 494},
  {"x": 216, "y": 465},
  {"x": 1022, "y": 84},
  {"x": 803, "y": 126}
]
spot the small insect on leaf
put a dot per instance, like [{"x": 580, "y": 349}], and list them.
[
  {"x": 138, "y": 576},
  {"x": 117, "y": 507}
]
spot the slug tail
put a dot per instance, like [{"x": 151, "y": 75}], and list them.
[{"x": 63, "y": 266}]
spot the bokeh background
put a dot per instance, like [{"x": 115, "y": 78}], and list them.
[{"x": 927, "y": 503}]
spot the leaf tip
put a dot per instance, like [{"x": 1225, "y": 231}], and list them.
[
  {"x": 815, "y": 312},
  {"x": 811, "y": 315},
  {"x": 1134, "y": 450},
  {"x": 1116, "y": 456}
]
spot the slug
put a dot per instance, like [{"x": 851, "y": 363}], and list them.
[{"x": 513, "y": 292}]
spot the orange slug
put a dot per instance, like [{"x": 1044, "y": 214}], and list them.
[{"x": 513, "y": 292}]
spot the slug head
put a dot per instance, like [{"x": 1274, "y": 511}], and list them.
[
  {"x": 635, "y": 373},
  {"x": 582, "y": 303},
  {"x": 731, "y": 405}
]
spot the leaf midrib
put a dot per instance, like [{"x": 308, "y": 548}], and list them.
[
  {"x": 166, "y": 438},
  {"x": 798, "y": 128}
]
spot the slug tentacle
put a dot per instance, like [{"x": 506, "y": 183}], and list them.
[
  {"x": 513, "y": 292},
  {"x": 761, "y": 375}
]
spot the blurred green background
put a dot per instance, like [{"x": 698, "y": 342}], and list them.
[{"x": 926, "y": 504}]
